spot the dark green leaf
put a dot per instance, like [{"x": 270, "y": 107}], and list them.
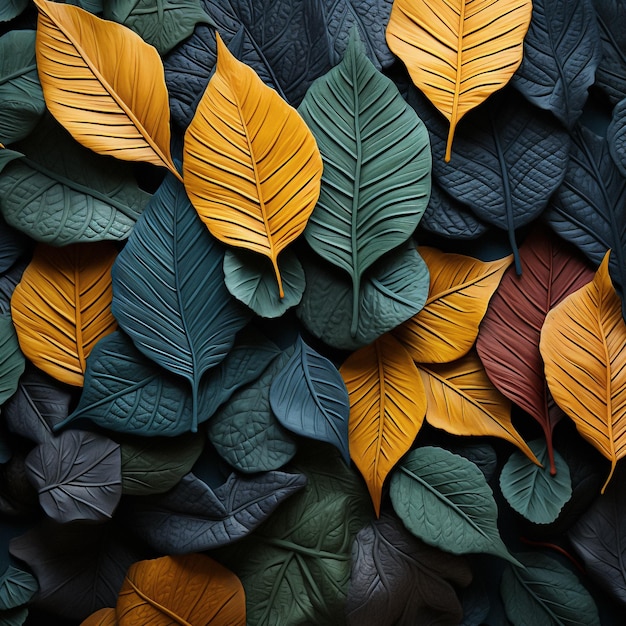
[
  {"x": 545, "y": 593},
  {"x": 252, "y": 280},
  {"x": 616, "y": 136},
  {"x": 482, "y": 455},
  {"x": 11, "y": 8},
  {"x": 398, "y": 579},
  {"x": 193, "y": 517},
  {"x": 78, "y": 475},
  {"x": 308, "y": 397},
  {"x": 21, "y": 98},
  {"x": 169, "y": 293},
  {"x": 17, "y": 587},
  {"x": 611, "y": 73},
  {"x": 13, "y": 243},
  {"x": 531, "y": 490},
  {"x": 93, "y": 6},
  {"x": 562, "y": 50},
  {"x": 12, "y": 362},
  {"x": 444, "y": 500}
]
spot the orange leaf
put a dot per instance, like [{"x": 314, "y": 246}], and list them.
[
  {"x": 387, "y": 405},
  {"x": 251, "y": 166},
  {"x": 582, "y": 345},
  {"x": 104, "y": 84},
  {"x": 463, "y": 401},
  {"x": 103, "y": 617},
  {"x": 458, "y": 52},
  {"x": 460, "y": 289},
  {"x": 62, "y": 307}
]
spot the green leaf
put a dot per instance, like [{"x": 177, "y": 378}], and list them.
[
  {"x": 17, "y": 587},
  {"x": 444, "y": 500},
  {"x": 154, "y": 465},
  {"x": 309, "y": 398},
  {"x": 377, "y": 164},
  {"x": 12, "y": 362},
  {"x": 62, "y": 193},
  {"x": 251, "y": 279},
  {"x": 11, "y": 8},
  {"x": 21, "y": 97},
  {"x": 169, "y": 293},
  {"x": 161, "y": 23},
  {"x": 545, "y": 593},
  {"x": 530, "y": 489}
]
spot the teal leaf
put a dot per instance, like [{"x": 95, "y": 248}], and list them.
[
  {"x": 14, "y": 617},
  {"x": 377, "y": 163},
  {"x": 530, "y": 489},
  {"x": 17, "y": 587},
  {"x": 21, "y": 97},
  {"x": 11, "y": 8},
  {"x": 63, "y": 193},
  {"x": 308, "y": 397},
  {"x": 169, "y": 293},
  {"x": 12, "y": 361},
  {"x": 251, "y": 279},
  {"x": 246, "y": 433},
  {"x": 161, "y": 23},
  {"x": 393, "y": 290},
  {"x": 444, "y": 500},
  {"x": 545, "y": 593},
  {"x": 616, "y": 136}
]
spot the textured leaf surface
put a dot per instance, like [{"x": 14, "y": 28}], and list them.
[
  {"x": 531, "y": 490},
  {"x": 104, "y": 84},
  {"x": 62, "y": 307},
  {"x": 169, "y": 293},
  {"x": 17, "y": 587},
  {"x": 11, "y": 9},
  {"x": 397, "y": 578},
  {"x": 582, "y": 342},
  {"x": 21, "y": 98},
  {"x": 102, "y": 617},
  {"x": 387, "y": 406},
  {"x": 562, "y": 50},
  {"x": 616, "y": 136},
  {"x": 12, "y": 361},
  {"x": 192, "y": 517},
  {"x": 444, "y": 500},
  {"x": 394, "y": 289},
  {"x": 508, "y": 340},
  {"x": 78, "y": 476},
  {"x": 545, "y": 592},
  {"x": 458, "y": 53},
  {"x": 190, "y": 589},
  {"x": 460, "y": 289},
  {"x": 372, "y": 195},
  {"x": 611, "y": 73}
]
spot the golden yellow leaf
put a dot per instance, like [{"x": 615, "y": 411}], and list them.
[
  {"x": 460, "y": 289},
  {"x": 387, "y": 405},
  {"x": 251, "y": 166},
  {"x": 191, "y": 589},
  {"x": 583, "y": 343},
  {"x": 62, "y": 307},
  {"x": 463, "y": 401},
  {"x": 103, "y": 617},
  {"x": 458, "y": 52},
  {"x": 104, "y": 84}
]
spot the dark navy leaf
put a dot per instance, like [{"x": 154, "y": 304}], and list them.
[
  {"x": 611, "y": 73},
  {"x": 616, "y": 136},
  {"x": 8, "y": 281}
]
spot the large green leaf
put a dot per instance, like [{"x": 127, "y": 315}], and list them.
[
  {"x": 17, "y": 587},
  {"x": 11, "y": 8},
  {"x": 62, "y": 193},
  {"x": 377, "y": 163},
  {"x": 169, "y": 293},
  {"x": 12, "y": 362},
  {"x": 444, "y": 500},
  {"x": 545, "y": 593},
  {"x": 21, "y": 97}
]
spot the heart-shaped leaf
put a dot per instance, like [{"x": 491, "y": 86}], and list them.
[
  {"x": 62, "y": 307},
  {"x": 562, "y": 50},
  {"x": 610, "y": 74},
  {"x": 17, "y": 587},
  {"x": 12, "y": 362},
  {"x": 458, "y": 53},
  {"x": 387, "y": 406},
  {"x": 616, "y": 136},
  {"x": 188, "y": 589},
  {"x": 460, "y": 289},
  {"x": 192, "y": 517},
  {"x": 444, "y": 500},
  {"x": 376, "y": 178},
  {"x": 581, "y": 344},
  {"x": 78, "y": 476},
  {"x": 169, "y": 293}
]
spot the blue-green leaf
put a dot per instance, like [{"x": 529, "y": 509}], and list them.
[
  {"x": 11, "y": 8},
  {"x": 12, "y": 362},
  {"x": 17, "y": 587}
]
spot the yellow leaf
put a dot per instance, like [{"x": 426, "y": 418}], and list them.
[
  {"x": 62, "y": 307},
  {"x": 460, "y": 289},
  {"x": 463, "y": 401},
  {"x": 387, "y": 405},
  {"x": 191, "y": 589},
  {"x": 104, "y": 84},
  {"x": 458, "y": 52},
  {"x": 103, "y": 617},
  {"x": 251, "y": 166},
  {"x": 582, "y": 345}
]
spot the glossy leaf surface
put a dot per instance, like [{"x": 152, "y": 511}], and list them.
[
  {"x": 12, "y": 361},
  {"x": 17, "y": 587},
  {"x": 610, "y": 74}
]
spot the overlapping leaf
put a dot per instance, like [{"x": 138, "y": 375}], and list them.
[
  {"x": 12, "y": 361},
  {"x": 102, "y": 617},
  {"x": 13, "y": 244},
  {"x": 62, "y": 307},
  {"x": 458, "y": 53},
  {"x": 616, "y": 136},
  {"x": 610, "y": 74},
  {"x": 11, "y": 9},
  {"x": 17, "y": 587},
  {"x": 377, "y": 163}
]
